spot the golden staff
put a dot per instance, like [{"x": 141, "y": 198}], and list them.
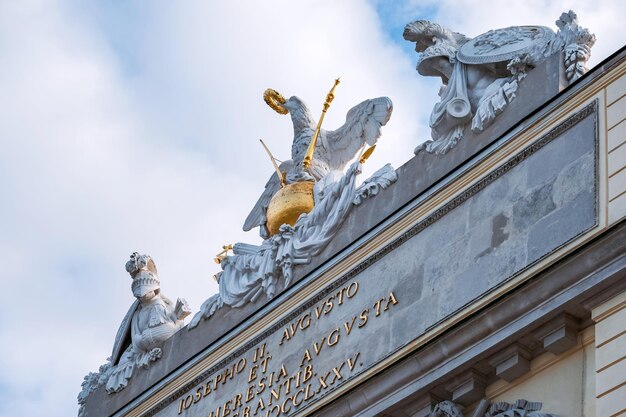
[
  {"x": 280, "y": 175},
  {"x": 306, "y": 163}
]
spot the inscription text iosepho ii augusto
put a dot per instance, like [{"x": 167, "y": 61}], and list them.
[{"x": 313, "y": 354}]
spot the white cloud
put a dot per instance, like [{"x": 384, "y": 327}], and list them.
[{"x": 133, "y": 127}]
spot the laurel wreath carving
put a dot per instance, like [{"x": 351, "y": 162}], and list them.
[{"x": 275, "y": 100}]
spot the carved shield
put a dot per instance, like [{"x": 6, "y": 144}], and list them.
[{"x": 503, "y": 44}]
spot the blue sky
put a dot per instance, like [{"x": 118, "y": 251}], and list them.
[{"x": 134, "y": 126}]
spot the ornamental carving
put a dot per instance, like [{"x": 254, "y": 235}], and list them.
[{"x": 482, "y": 76}]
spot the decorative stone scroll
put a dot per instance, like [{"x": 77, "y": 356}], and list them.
[{"x": 481, "y": 76}]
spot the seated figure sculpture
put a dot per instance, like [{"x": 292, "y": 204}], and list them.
[{"x": 151, "y": 320}]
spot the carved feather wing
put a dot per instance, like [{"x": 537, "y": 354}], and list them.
[
  {"x": 363, "y": 125},
  {"x": 426, "y": 33},
  {"x": 257, "y": 214}
]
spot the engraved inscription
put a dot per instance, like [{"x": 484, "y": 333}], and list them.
[{"x": 261, "y": 384}]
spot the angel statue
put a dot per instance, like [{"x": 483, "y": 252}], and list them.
[
  {"x": 332, "y": 151},
  {"x": 481, "y": 76}
]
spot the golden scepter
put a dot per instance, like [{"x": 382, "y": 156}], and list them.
[{"x": 306, "y": 163}]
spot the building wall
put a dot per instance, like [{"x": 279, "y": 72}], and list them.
[
  {"x": 564, "y": 383},
  {"x": 610, "y": 352},
  {"x": 615, "y": 101},
  {"x": 446, "y": 337}
]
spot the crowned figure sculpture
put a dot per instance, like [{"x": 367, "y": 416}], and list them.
[{"x": 151, "y": 320}]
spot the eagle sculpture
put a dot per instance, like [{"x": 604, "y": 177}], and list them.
[{"x": 333, "y": 150}]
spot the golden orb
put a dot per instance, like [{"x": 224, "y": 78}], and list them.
[{"x": 288, "y": 204}]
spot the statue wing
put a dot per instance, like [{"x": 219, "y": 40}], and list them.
[
  {"x": 257, "y": 214},
  {"x": 123, "y": 336},
  {"x": 363, "y": 125}
]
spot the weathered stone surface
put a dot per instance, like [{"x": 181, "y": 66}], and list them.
[{"x": 409, "y": 286}]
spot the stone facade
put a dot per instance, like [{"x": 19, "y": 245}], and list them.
[{"x": 477, "y": 280}]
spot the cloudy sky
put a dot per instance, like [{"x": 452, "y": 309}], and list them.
[{"x": 134, "y": 126}]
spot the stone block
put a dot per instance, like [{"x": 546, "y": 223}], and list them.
[
  {"x": 575, "y": 178},
  {"x": 497, "y": 196},
  {"x": 561, "y": 225},
  {"x": 611, "y": 353},
  {"x": 615, "y": 112},
  {"x": 558, "y": 154},
  {"x": 617, "y": 184},
  {"x": 617, "y": 159},
  {"x": 617, "y": 136},
  {"x": 612, "y": 326},
  {"x": 617, "y": 209},
  {"x": 560, "y": 334},
  {"x": 610, "y": 378},
  {"x": 468, "y": 388},
  {"x": 512, "y": 362},
  {"x": 612, "y": 404},
  {"x": 616, "y": 90},
  {"x": 537, "y": 204},
  {"x": 611, "y": 304}
]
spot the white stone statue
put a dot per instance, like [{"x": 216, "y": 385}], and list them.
[
  {"x": 334, "y": 149},
  {"x": 150, "y": 321},
  {"x": 481, "y": 76},
  {"x": 254, "y": 271}
]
